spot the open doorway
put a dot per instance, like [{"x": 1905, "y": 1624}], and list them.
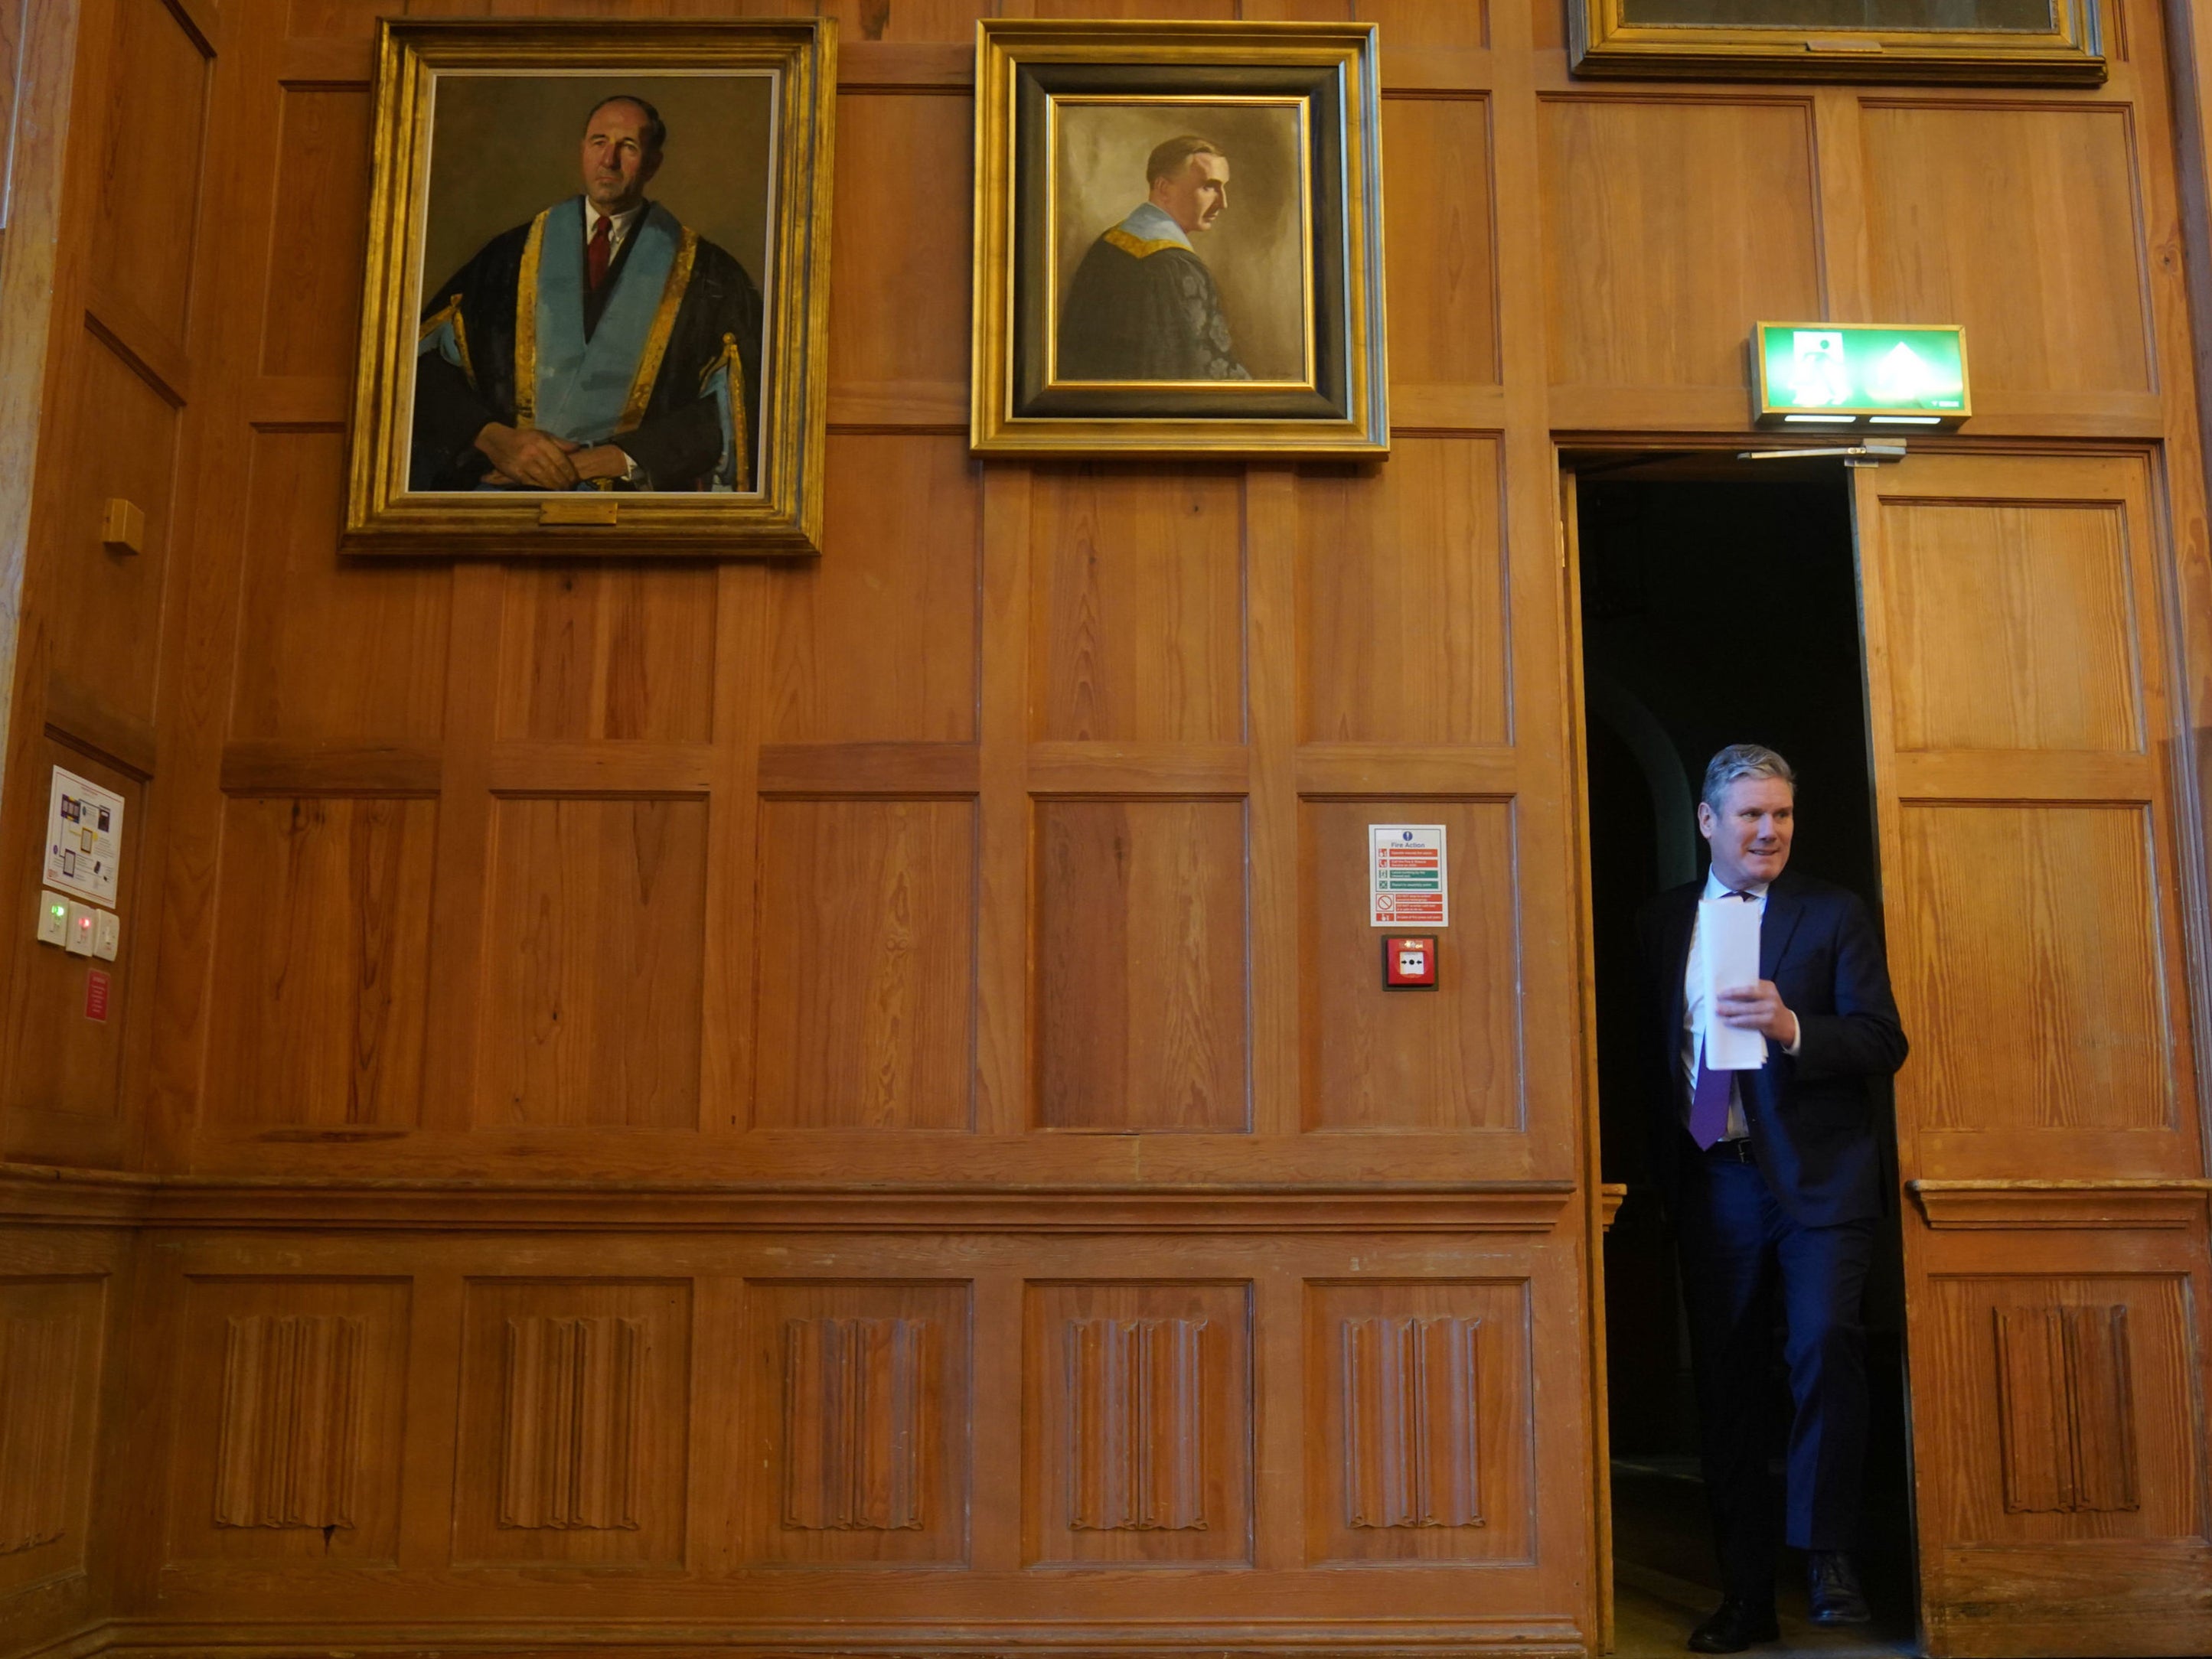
[{"x": 1675, "y": 556}]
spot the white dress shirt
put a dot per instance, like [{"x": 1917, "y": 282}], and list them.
[
  {"x": 1693, "y": 1008},
  {"x": 619, "y": 226}
]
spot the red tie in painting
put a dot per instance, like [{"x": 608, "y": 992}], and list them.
[{"x": 596, "y": 251}]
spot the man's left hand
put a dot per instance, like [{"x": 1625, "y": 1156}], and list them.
[
  {"x": 1757, "y": 1008},
  {"x": 601, "y": 461}
]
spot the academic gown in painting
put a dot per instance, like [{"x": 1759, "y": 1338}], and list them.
[
  {"x": 653, "y": 359},
  {"x": 1142, "y": 306}
]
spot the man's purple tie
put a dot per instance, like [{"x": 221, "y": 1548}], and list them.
[{"x": 1709, "y": 1097}]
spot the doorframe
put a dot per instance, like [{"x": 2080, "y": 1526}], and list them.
[{"x": 1570, "y": 462}]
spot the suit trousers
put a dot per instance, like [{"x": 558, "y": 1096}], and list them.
[{"x": 1743, "y": 1256}]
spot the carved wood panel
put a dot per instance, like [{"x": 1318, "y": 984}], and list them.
[
  {"x": 40, "y": 1394},
  {"x": 2068, "y": 1414},
  {"x": 293, "y": 1389},
  {"x": 1138, "y": 1423}
]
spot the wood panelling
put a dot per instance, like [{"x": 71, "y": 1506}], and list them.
[
  {"x": 612, "y": 652},
  {"x": 1140, "y": 965},
  {"x": 1447, "y": 1059},
  {"x": 877, "y": 641},
  {"x": 594, "y": 968},
  {"x": 574, "y": 1406},
  {"x": 866, "y": 984},
  {"x": 318, "y": 229},
  {"x": 329, "y": 651},
  {"x": 322, "y": 965},
  {"x": 51, "y": 1345},
  {"x": 1443, "y": 276},
  {"x": 1138, "y": 1424},
  {"x": 2023, "y": 224},
  {"x": 1671, "y": 226},
  {"x": 898, "y": 296},
  {"x": 2065, "y": 1410},
  {"x": 1418, "y": 1397},
  {"x": 130, "y": 432},
  {"x": 147, "y": 206},
  {"x": 1138, "y": 619},
  {"x": 862, "y": 1403},
  {"x": 2012, "y": 625},
  {"x": 2038, "y": 922},
  {"x": 1401, "y": 612},
  {"x": 290, "y": 1400}
]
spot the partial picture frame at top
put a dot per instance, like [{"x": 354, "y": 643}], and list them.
[
  {"x": 2020, "y": 42},
  {"x": 1178, "y": 239},
  {"x": 593, "y": 318}
]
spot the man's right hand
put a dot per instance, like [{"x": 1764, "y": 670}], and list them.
[{"x": 536, "y": 460}]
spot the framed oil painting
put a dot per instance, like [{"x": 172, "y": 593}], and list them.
[
  {"x": 1178, "y": 239},
  {"x": 2004, "y": 41},
  {"x": 598, "y": 275}
]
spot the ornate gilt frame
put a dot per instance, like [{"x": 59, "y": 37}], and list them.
[
  {"x": 1343, "y": 411},
  {"x": 1603, "y": 43},
  {"x": 783, "y": 514}
]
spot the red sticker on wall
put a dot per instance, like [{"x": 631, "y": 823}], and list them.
[{"x": 95, "y": 995}]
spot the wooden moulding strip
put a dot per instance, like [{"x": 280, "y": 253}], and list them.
[
  {"x": 52, "y": 1196},
  {"x": 2072, "y": 1204}
]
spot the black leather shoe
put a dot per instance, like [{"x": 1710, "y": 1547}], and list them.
[
  {"x": 1734, "y": 1625},
  {"x": 1832, "y": 1584}
]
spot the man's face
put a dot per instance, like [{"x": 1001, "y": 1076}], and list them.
[
  {"x": 617, "y": 166},
  {"x": 1195, "y": 197},
  {"x": 1750, "y": 835}
]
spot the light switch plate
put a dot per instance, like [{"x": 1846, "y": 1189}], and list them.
[
  {"x": 53, "y": 919},
  {"x": 80, "y": 929},
  {"x": 107, "y": 934}
]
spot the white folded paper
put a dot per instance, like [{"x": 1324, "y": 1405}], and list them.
[{"x": 1727, "y": 946}]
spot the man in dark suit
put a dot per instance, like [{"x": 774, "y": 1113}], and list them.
[{"x": 1772, "y": 1179}]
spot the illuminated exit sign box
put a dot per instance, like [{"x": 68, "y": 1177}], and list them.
[{"x": 1819, "y": 377}]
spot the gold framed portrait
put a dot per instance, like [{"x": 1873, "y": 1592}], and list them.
[
  {"x": 1178, "y": 239},
  {"x": 2027, "y": 41},
  {"x": 597, "y": 277}
]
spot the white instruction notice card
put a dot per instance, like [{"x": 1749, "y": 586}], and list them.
[
  {"x": 1406, "y": 878},
  {"x": 1728, "y": 945},
  {"x": 84, "y": 838}
]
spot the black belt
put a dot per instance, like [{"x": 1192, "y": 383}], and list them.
[{"x": 1735, "y": 1151}]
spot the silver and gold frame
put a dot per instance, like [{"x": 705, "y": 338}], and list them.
[{"x": 1032, "y": 78}]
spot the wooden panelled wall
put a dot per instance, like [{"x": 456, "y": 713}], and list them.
[{"x": 849, "y": 1103}]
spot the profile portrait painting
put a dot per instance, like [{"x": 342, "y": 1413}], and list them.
[
  {"x": 597, "y": 299},
  {"x": 1178, "y": 239}
]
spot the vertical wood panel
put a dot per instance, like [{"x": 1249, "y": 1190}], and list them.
[
  {"x": 39, "y": 1391},
  {"x": 1401, "y": 611},
  {"x": 898, "y": 296},
  {"x": 320, "y": 986},
  {"x": 1138, "y": 611},
  {"x": 1441, "y": 278},
  {"x": 1446, "y": 1059},
  {"x": 868, "y": 950},
  {"x": 877, "y": 640},
  {"x": 593, "y": 972},
  {"x": 1140, "y": 954},
  {"x": 2019, "y": 223},
  {"x": 141, "y": 242},
  {"x": 2036, "y": 921},
  {"x": 320, "y": 227},
  {"x": 1671, "y": 225},
  {"x": 330, "y": 650},
  {"x": 2012, "y": 627},
  {"x": 615, "y": 652},
  {"x": 293, "y": 1389}
]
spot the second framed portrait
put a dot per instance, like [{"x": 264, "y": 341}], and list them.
[
  {"x": 1178, "y": 239},
  {"x": 598, "y": 275}
]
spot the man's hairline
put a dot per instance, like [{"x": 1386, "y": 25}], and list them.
[{"x": 652, "y": 118}]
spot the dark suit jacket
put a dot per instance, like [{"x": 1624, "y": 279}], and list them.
[{"x": 1812, "y": 1128}]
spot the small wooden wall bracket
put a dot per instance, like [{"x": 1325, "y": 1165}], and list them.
[
  {"x": 580, "y": 510},
  {"x": 122, "y": 526}
]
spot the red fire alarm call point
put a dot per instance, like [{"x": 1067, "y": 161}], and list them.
[{"x": 1409, "y": 962}]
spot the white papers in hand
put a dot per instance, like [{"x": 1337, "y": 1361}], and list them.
[{"x": 1728, "y": 945}]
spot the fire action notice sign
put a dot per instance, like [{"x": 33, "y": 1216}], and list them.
[{"x": 1407, "y": 882}]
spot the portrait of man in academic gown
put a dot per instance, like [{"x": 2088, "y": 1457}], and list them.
[
  {"x": 602, "y": 345},
  {"x": 1142, "y": 306}
]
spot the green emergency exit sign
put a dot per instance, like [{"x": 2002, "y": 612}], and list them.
[{"x": 1834, "y": 375}]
